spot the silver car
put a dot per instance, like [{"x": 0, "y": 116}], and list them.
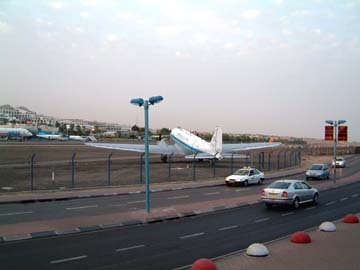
[
  {"x": 289, "y": 192},
  {"x": 318, "y": 171},
  {"x": 340, "y": 162}
]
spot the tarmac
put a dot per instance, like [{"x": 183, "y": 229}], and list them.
[{"x": 346, "y": 237}]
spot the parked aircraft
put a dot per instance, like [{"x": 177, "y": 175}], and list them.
[
  {"x": 82, "y": 138},
  {"x": 58, "y": 137},
  {"x": 191, "y": 146},
  {"x": 15, "y": 133}
]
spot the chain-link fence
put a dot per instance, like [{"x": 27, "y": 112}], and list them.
[{"x": 63, "y": 167}]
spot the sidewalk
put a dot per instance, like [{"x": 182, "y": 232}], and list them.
[
  {"x": 36, "y": 229},
  {"x": 328, "y": 250}
]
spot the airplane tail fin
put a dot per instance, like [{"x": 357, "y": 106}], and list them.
[{"x": 216, "y": 142}]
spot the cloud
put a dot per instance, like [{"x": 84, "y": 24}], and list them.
[
  {"x": 278, "y": 2},
  {"x": 228, "y": 45},
  {"x": 131, "y": 17},
  {"x": 301, "y": 13},
  {"x": 112, "y": 37},
  {"x": 169, "y": 31},
  {"x": 316, "y": 31},
  {"x": 90, "y": 3},
  {"x": 56, "y": 5},
  {"x": 250, "y": 14},
  {"x": 84, "y": 14},
  {"x": 286, "y": 32},
  {"x": 4, "y": 27},
  {"x": 182, "y": 55}
]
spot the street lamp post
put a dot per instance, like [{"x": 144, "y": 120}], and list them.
[
  {"x": 335, "y": 125},
  {"x": 141, "y": 102}
]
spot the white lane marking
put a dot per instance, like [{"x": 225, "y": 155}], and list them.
[
  {"x": 330, "y": 203},
  {"x": 212, "y": 193},
  {"x": 69, "y": 259},
  {"x": 228, "y": 228},
  {"x": 191, "y": 235},
  {"x": 117, "y": 205},
  {"x": 355, "y": 195},
  {"x": 82, "y": 207},
  {"x": 16, "y": 213},
  {"x": 310, "y": 208},
  {"x": 287, "y": 214},
  {"x": 243, "y": 189},
  {"x": 136, "y": 202},
  {"x": 261, "y": 220},
  {"x": 343, "y": 199},
  {"x": 178, "y": 197},
  {"x": 129, "y": 248}
]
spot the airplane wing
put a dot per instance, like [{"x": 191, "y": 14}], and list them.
[
  {"x": 161, "y": 148},
  {"x": 229, "y": 148},
  {"x": 207, "y": 156}
]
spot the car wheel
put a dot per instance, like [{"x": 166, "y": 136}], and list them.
[
  {"x": 246, "y": 183},
  {"x": 268, "y": 205},
  {"x": 296, "y": 203},
  {"x": 315, "y": 199}
]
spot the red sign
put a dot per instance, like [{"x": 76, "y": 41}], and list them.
[
  {"x": 343, "y": 133},
  {"x": 329, "y": 133}
]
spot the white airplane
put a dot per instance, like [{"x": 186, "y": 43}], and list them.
[
  {"x": 191, "y": 146},
  {"x": 58, "y": 137},
  {"x": 15, "y": 132},
  {"x": 82, "y": 138}
]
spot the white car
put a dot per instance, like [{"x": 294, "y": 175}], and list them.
[
  {"x": 245, "y": 176},
  {"x": 340, "y": 162}
]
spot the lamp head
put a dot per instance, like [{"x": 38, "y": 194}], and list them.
[
  {"x": 330, "y": 122},
  {"x": 137, "y": 102},
  {"x": 155, "y": 99},
  {"x": 341, "y": 122}
]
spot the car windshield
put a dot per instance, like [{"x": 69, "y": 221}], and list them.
[
  {"x": 279, "y": 185},
  {"x": 316, "y": 167},
  {"x": 241, "y": 172},
  {"x": 339, "y": 159}
]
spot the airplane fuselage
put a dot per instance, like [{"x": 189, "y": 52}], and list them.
[
  {"x": 15, "y": 132},
  {"x": 190, "y": 143}
]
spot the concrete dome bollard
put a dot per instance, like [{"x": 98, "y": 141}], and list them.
[
  {"x": 300, "y": 238},
  {"x": 351, "y": 218},
  {"x": 203, "y": 264},
  {"x": 257, "y": 250},
  {"x": 327, "y": 227}
]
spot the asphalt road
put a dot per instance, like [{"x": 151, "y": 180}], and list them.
[
  {"x": 14, "y": 213},
  {"x": 176, "y": 243}
]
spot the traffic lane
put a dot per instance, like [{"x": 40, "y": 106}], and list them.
[{"x": 175, "y": 243}]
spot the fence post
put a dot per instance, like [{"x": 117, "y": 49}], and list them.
[
  {"x": 285, "y": 159},
  {"x": 141, "y": 167},
  {"x": 278, "y": 160},
  {"x": 109, "y": 169},
  {"x": 73, "y": 170},
  {"x": 232, "y": 164},
  {"x": 169, "y": 168},
  {"x": 214, "y": 167},
  {"x": 269, "y": 162},
  {"x": 32, "y": 172},
  {"x": 193, "y": 168}
]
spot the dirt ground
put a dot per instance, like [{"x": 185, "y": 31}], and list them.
[{"x": 53, "y": 167}]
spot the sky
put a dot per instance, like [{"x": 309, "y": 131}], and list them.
[{"x": 271, "y": 67}]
